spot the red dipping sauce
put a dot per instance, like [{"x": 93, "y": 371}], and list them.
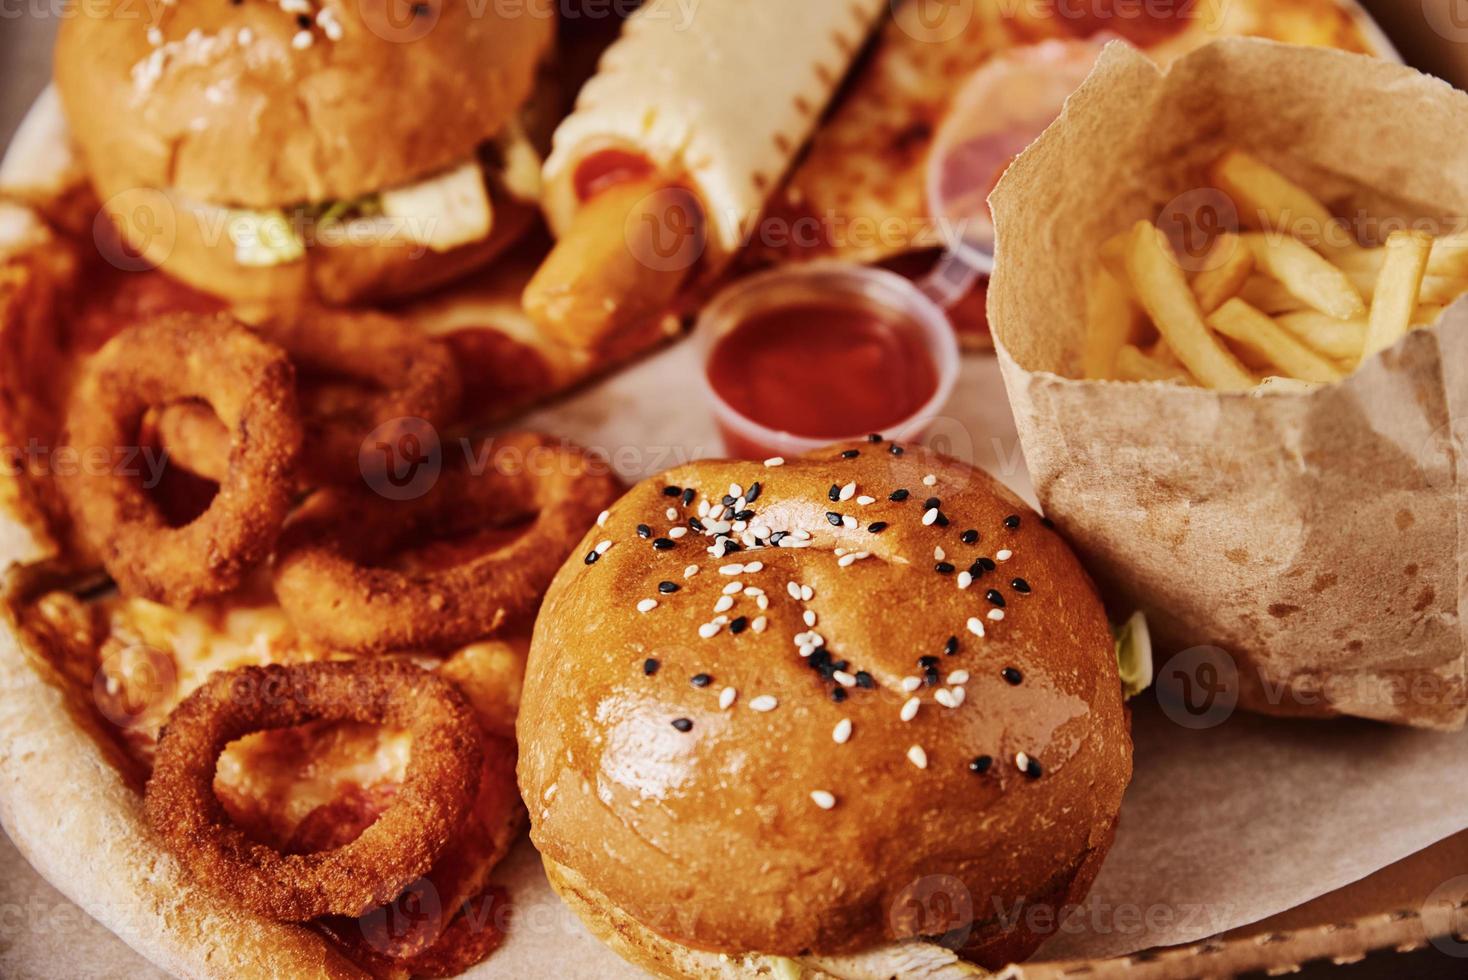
[{"x": 797, "y": 359}]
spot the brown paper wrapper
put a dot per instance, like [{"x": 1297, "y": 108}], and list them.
[{"x": 1316, "y": 541}]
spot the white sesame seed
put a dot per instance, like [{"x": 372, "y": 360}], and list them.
[
  {"x": 724, "y": 604},
  {"x": 840, "y": 552},
  {"x": 841, "y": 734},
  {"x": 910, "y": 684},
  {"x": 843, "y": 678},
  {"x": 155, "y": 36},
  {"x": 690, "y": 571},
  {"x": 801, "y": 534},
  {"x": 930, "y": 480},
  {"x": 930, "y": 516},
  {"x": 976, "y": 626},
  {"x": 735, "y": 569},
  {"x": 671, "y": 513},
  {"x": 721, "y": 620},
  {"x": 809, "y": 617},
  {"x": 740, "y": 504},
  {"x": 846, "y": 561},
  {"x": 733, "y": 587},
  {"x": 965, "y": 579},
  {"x": 847, "y": 492},
  {"x": 823, "y": 799},
  {"x": 647, "y": 605},
  {"x": 761, "y": 531},
  {"x": 807, "y": 593},
  {"x": 763, "y": 601},
  {"x": 945, "y": 698},
  {"x": 759, "y": 624},
  {"x": 726, "y": 698},
  {"x": 864, "y": 500},
  {"x": 295, "y": 6},
  {"x": 246, "y": 36},
  {"x": 603, "y": 547},
  {"x": 718, "y": 527},
  {"x": 850, "y": 523},
  {"x": 754, "y": 566},
  {"x": 917, "y": 757},
  {"x": 958, "y": 677},
  {"x": 703, "y": 508},
  {"x": 735, "y": 490},
  {"x": 753, "y": 590},
  {"x": 1021, "y": 761},
  {"x": 709, "y": 630},
  {"x": 677, "y": 532},
  {"x": 939, "y": 554},
  {"x": 958, "y": 695},
  {"x": 910, "y": 709},
  {"x": 806, "y": 649},
  {"x": 601, "y": 520},
  {"x": 775, "y": 461},
  {"x": 303, "y": 40},
  {"x": 739, "y": 527},
  {"x": 996, "y": 615},
  {"x": 793, "y": 589},
  {"x": 1003, "y": 554},
  {"x": 765, "y": 702}
]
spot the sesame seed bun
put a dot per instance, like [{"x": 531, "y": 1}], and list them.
[{"x": 756, "y": 821}]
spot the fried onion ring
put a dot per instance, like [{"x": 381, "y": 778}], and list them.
[
  {"x": 357, "y": 372},
  {"x": 441, "y": 782},
  {"x": 330, "y": 572},
  {"x": 250, "y": 385}
]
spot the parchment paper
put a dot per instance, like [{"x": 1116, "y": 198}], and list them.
[
  {"x": 1230, "y": 817},
  {"x": 1315, "y": 543}
]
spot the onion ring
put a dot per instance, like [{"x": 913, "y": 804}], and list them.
[
  {"x": 357, "y": 371},
  {"x": 250, "y": 385},
  {"x": 330, "y": 580},
  {"x": 438, "y": 788}
]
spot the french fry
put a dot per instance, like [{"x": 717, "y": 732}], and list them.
[
  {"x": 1339, "y": 340},
  {"x": 1245, "y": 325},
  {"x": 1133, "y": 364},
  {"x": 1268, "y": 200},
  {"x": 1113, "y": 258},
  {"x": 1111, "y": 319},
  {"x": 1397, "y": 289},
  {"x": 1230, "y": 264},
  {"x": 1434, "y": 290},
  {"x": 1268, "y": 296},
  {"x": 1427, "y": 314},
  {"x": 1275, "y": 385},
  {"x": 1307, "y": 275},
  {"x": 1449, "y": 259},
  {"x": 1164, "y": 293}
]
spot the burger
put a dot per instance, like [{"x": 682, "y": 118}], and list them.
[
  {"x": 309, "y": 149},
  {"x": 855, "y": 715}
]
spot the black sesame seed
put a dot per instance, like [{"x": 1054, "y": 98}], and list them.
[
  {"x": 986, "y": 563},
  {"x": 819, "y": 658},
  {"x": 864, "y": 680},
  {"x": 834, "y": 493},
  {"x": 303, "y": 22},
  {"x": 834, "y": 518},
  {"x": 744, "y": 515},
  {"x": 777, "y": 537},
  {"x": 683, "y": 724},
  {"x": 840, "y": 665},
  {"x": 592, "y": 556},
  {"x": 927, "y": 662},
  {"x": 728, "y": 500},
  {"x": 993, "y": 596},
  {"x": 687, "y": 497},
  {"x": 851, "y": 454},
  {"x": 969, "y": 537},
  {"x": 1047, "y": 522},
  {"x": 838, "y": 694},
  {"x": 752, "y": 494},
  {"x": 1033, "y": 770},
  {"x": 643, "y": 531},
  {"x": 672, "y": 491},
  {"x": 981, "y": 764},
  {"x": 1012, "y": 675},
  {"x": 931, "y": 503},
  {"x": 1021, "y": 586},
  {"x": 951, "y": 646},
  {"x": 696, "y": 524},
  {"x": 663, "y": 544},
  {"x": 976, "y": 569},
  {"x": 895, "y": 449},
  {"x": 899, "y": 495},
  {"x": 650, "y": 666},
  {"x": 875, "y": 437},
  {"x": 827, "y": 670},
  {"x": 941, "y": 520},
  {"x": 944, "y": 568},
  {"x": 1012, "y": 521},
  {"x": 739, "y": 625},
  {"x": 419, "y": 10},
  {"x": 877, "y": 527},
  {"x": 668, "y": 588},
  {"x": 732, "y": 546},
  {"x": 700, "y": 680},
  {"x": 930, "y": 677}
]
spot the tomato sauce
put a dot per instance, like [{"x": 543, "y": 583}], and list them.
[
  {"x": 823, "y": 371},
  {"x": 606, "y": 168}
]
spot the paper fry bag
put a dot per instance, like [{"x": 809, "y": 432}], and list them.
[{"x": 1317, "y": 539}]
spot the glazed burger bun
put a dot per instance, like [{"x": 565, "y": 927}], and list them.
[{"x": 805, "y": 747}]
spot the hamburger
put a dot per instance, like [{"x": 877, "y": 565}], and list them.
[
  {"x": 856, "y": 715},
  {"x": 309, "y": 149}
]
